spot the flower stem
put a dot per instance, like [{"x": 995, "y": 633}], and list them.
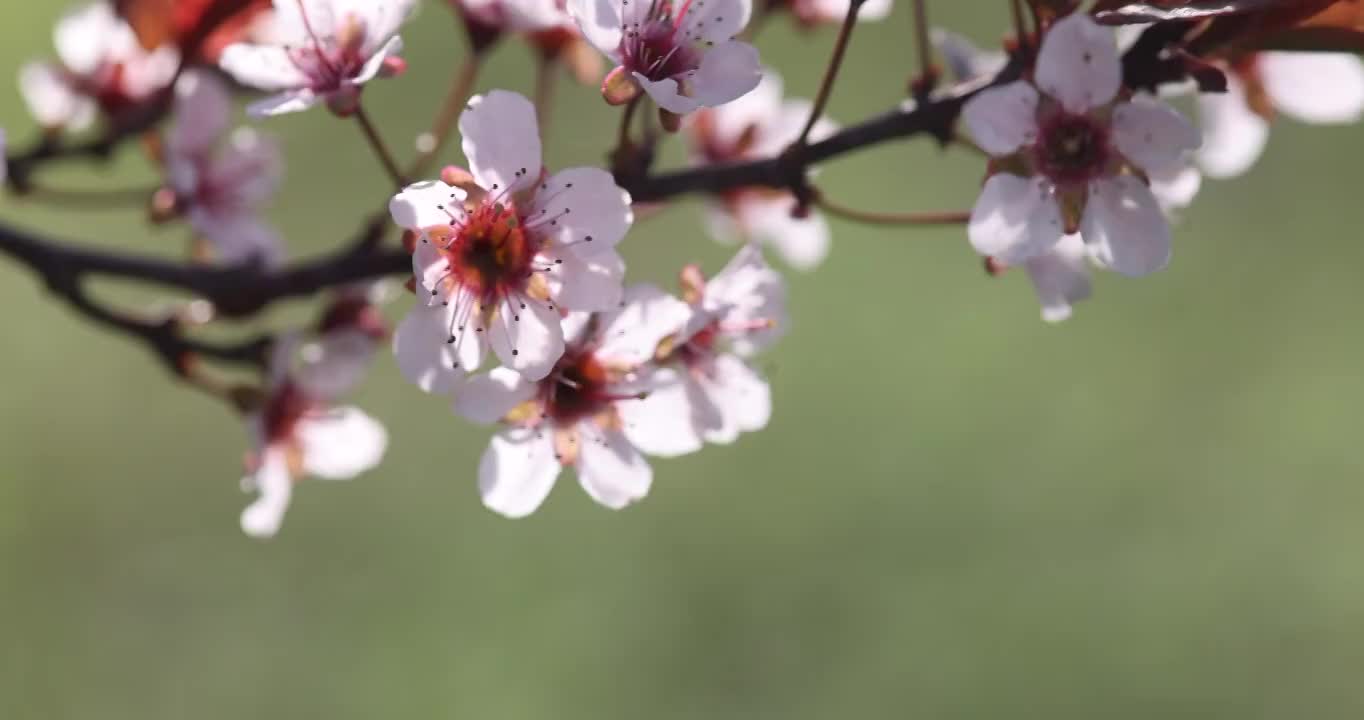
[
  {"x": 623, "y": 137},
  {"x": 377, "y": 143},
  {"x": 545, "y": 76},
  {"x": 921, "y": 38},
  {"x": 956, "y": 217},
  {"x": 826, "y": 85},
  {"x": 461, "y": 87}
]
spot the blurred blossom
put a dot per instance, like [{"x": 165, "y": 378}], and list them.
[
  {"x": 295, "y": 433},
  {"x": 760, "y": 125},
  {"x": 599, "y": 408},
  {"x": 102, "y": 68},
  {"x": 322, "y": 50},
  {"x": 1067, "y": 157},
  {"x": 1318, "y": 88},
  {"x": 503, "y": 248},
  {"x": 685, "y": 58},
  {"x": 349, "y": 334},
  {"x": 221, "y": 187},
  {"x": 832, "y": 12},
  {"x": 964, "y": 59}
]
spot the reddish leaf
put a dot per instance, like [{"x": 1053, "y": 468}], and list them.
[{"x": 208, "y": 25}]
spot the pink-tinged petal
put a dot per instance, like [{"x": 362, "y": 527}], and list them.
[
  {"x": 1003, "y": 119},
  {"x": 381, "y": 20},
  {"x": 426, "y": 204},
  {"x": 423, "y": 353},
  {"x": 729, "y": 122},
  {"x": 660, "y": 423},
  {"x": 1175, "y": 187},
  {"x": 488, "y": 397},
  {"x": 1014, "y": 218},
  {"x": 52, "y": 101},
  {"x": 335, "y": 363},
  {"x": 1078, "y": 64},
  {"x": 247, "y": 171},
  {"x": 668, "y": 94},
  {"x": 526, "y": 337},
  {"x": 265, "y": 67},
  {"x": 1234, "y": 136},
  {"x": 203, "y": 110},
  {"x": 802, "y": 242},
  {"x": 611, "y": 471},
  {"x": 1124, "y": 226},
  {"x": 739, "y": 399},
  {"x": 517, "y": 471},
  {"x": 600, "y": 22},
  {"x": 501, "y": 141},
  {"x": 239, "y": 238},
  {"x": 144, "y": 74},
  {"x": 1153, "y": 135},
  {"x": 592, "y": 284},
  {"x": 965, "y": 61},
  {"x": 84, "y": 35},
  {"x": 631, "y": 334},
  {"x": 429, "y": 266},
  {"x": 283, "y": 104},
  {"x": 340, "y": 443},
  {"x": 274, "y": 487},
  {"x": 712, "y": 22},
  {"x": 1323, "y": 88},
  {"x": 745, "y": 294},
  {"x": 583, "y": 208},
  {"x": 375, "y": 63},
  {"x": 727, "y": 72},
  {"x": 783, "y": 126},
  {"x": 533, "y": 15},
  {"x": 1060, "y": 277}
]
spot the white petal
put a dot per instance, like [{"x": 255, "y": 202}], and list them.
[
  {"x": 275, "y": 487},
  {"x": 1003, "y": 119},
  {"x": 488, "y": 397},
  {"x": 592, "y": 284},
  {"x": 423, "y": 354},
  {"x": 526, "y": 337},
  {"x": 729, "y": 122},
  {"x": 611, "y": 471},
  {"x": 1014, "y": 218},
  {"x": 667, "y": 94},
  {"x": 1153, "y": 135},
  {"x": 239, "y": 238},
  {"x": 589, "y": 210},
  {"x": 266, "y": 67},
  {"x": 51, "y": 99},
  {"x": 748, "y": 292},
  {"x": 381, "y": 19},
  {"x": 84, "y": 35},
  {"x": 340, "y": 443},
  {"x": 1175, "y": 187},
  {"x": 425, "y": 204},
  {"x": 714, "y": 21},
  {"x": 1060, "y": 277},
  {"x": 501, "y": 140},
  {"x": 517, "y": 471},
  {"x": 335, "y": 363},
  {"x": 740, "y": 397},
  {"x": 964, "y": 59},
  {"x": 375, "y": 63},
  {"x": 283, "y": 104},
  {"x": 1124, "y": 226},
  {"x": 1078, "y": 64},
  {"x": 203, "y": 110},
  {"x": 631, "y": 334},
  {"x": 1325, "y": 88},
  {"x": 802, "y": 242},
  {"x": 661, "y": 423},
  {"x": 1233, "y": 134},
  {"x": 727, "y": 71},
  {"x": 600, "y": 23},
  {"x": 144, "y": 74}
]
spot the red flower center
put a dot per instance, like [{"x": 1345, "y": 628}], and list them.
[
  {"x": 490, "y": 252},
  {"x": 577, "y": 388},
  {"x": 654, "y": 48},
  {"x": 1071, "y": 149}
]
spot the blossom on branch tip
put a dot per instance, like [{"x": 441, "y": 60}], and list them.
[
  {"x": 1075, "y": 156},
  {"x": 102, "y": 68},
  {"x": 809, "y": 13},
  {"x": 503, "y": 249},
  {"x": 221, "y": 187},
  {"x": 325, "y": 50},
  {"x": 600, "y": 409},
  {"x": 760, "y": 125},
  {"x": 296, "y": 432},
  {"x": 683, "y": 55}
]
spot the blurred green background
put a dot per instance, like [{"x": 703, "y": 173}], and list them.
[{"x": 1152, "y": 510}]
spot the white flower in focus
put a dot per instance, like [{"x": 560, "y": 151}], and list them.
[
  {"x": 1317, "y": 88},
  {"x": 733, "y": 315},
  {"x": 832, "y": 12},
  {"x": 221, "y": 187},
  {"x": 760, "y": 125},
  {"x": 102, "y": 68},
  {"x": 325, "y": 50},
  {"x": 296, "y": 433},
  {"x": 504, "y": 250},
  {"x": 682, "y": 54},
  {"x": 597, "y": 411},
  {"x": 1059, "y": 276},
  {"x": 1071, "y": 158}
]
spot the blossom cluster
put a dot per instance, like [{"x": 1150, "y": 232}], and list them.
[{"x": 522, "y": 315}]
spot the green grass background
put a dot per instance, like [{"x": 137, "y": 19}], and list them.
[{"x": 1153, "y": 510}]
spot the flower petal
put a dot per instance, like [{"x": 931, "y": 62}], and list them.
[
  {"x": 590, "y": 212},
  {"x": 375, "y": 63},
  {"x": 964, "y": 59},
  {"x": 630, "y": 335},
  {"x": 239, "y": 238},
  {"x": 667, "y": 93},
  {"x": 600, "y": 22},
  {"x": 714, "y": 21},
  {"x": 1124, "y": 226},
  {"x": 52, "y": 101},
  {"x": 660, "y": 423},
  {"x": 84, "y": 36},
  {"x": 274, "y": 487},
  {"x": 738, "y": 398},
  {"x": 203, "y": 110},
  {"x": 423, "y": 354},
  {"x": 1323, "y": 88},
  {"x": 727, "y": 72},
  {"x": 517, "y": 471},
  {"x": 1003, "y": 119},
  {"x": 265, "y": 67},
  {"x": 1078, "y": 64},
  {"x": 1060, "y": 277},
  {"x": 1014, "y": 218},
  {"x": 340, "y": 443},
  {"x": 426, "y": 204},
  {"x": 1234, "y": 136},
  {"x": 526, "y": 336},
  {"x": 488, "y": 397},
  {"x": 1153, "y": 135},
  {"x": 592, "y": 284},
  {"x": 283, "y": 104},
  {"x": 501, "y": 141},
  {"x": 611, "y": 471},
  {"x": 802, "y": 242}
]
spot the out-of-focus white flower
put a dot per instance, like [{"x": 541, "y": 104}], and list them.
[
  {"x": 349, "y": 334},
  {"x": 831, "y": 12},
  {"x": 1069, "y": 157},
  {"x": 297, "y": 433},
  {"x": 221, "y": 187},
  {"x": 599, "y": 410},
  {"x": 504, "y": 249},
  {"x": 684, "y": 56},
  {"x": 733, "y": 315},
  {"x": 760, "y": 125},
  {"x": 102, "y": 68},
  {"x": 964, "y": 59},
  {"x": 518, "y": 16},
  {"x": 1317, "y": 88},
  {"x": 325, "y": 50}
]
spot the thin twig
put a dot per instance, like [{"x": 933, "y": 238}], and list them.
[
  {"x": 546, "y": 72},
  {"x": 377, "y": 144},
  {"x": 461, "y": 87},
  {"x": 91, "y": 198},
  {"x": 891, "y": 218},
  {"x": 826, "y": 86}
]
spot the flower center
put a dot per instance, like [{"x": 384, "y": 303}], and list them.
[
  {"x": 284, "y": 408},
  {"x": 654, "y": 48},
  {"x": 490, "y": 251},
  {"x": 1072, "y": 148},
  {"x": 576, "y": 389}
]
